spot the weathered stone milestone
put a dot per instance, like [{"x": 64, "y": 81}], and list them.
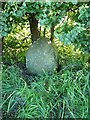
[{"x": 41, "y": 57}]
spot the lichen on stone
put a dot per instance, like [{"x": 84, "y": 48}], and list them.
[{"x": 41, "y": 57}]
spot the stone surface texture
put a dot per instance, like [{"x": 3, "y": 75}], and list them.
[{"x": 41, "y": 57}]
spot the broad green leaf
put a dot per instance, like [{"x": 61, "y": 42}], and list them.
[
  {"x": 6, "y": 14},
  {"x": 37, "y": 7},
  {"x": 4, "y": 33},
  {"x": 75, "y": 2},
  {"x": 19, "y": 13},
  {"x": 2, "y": 23},
  {"x": 6, "y": 29},
  {"x": 24, "y": 4}
]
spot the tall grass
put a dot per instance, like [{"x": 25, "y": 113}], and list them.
[{"x": 60, "y": 95}]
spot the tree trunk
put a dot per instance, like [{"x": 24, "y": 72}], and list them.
[
  {"x": 40, "y": 28},
  {"x": 52, "y": 32},
  {"x": 1, "y": 42},
  {"x": 44, "y": 32},
  {"x": 35, "y": 34},
  {"x": 0, "y": 50}
]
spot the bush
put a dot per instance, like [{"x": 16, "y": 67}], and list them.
[{"x": 60, "y": 95}]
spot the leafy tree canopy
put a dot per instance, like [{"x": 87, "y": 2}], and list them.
[{"x": 71, "y": 19}]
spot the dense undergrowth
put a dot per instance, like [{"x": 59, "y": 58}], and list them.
[
  {"x": 64, "y": 94},
  {"x": 60, "y": 95}
]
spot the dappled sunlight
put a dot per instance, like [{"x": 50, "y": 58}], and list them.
[{"x": 62, "y": 90}]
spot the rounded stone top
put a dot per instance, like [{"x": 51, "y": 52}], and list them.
[{"x": 41, "y": 57}]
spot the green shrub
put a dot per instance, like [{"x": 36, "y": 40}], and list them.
[
  {"x": 70, "y": 57},
  {"x": 60, "y": 95},
  {"x": 16, "y": 44}
]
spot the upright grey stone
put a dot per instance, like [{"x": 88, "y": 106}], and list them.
[{"x": 41, "y": 57}]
